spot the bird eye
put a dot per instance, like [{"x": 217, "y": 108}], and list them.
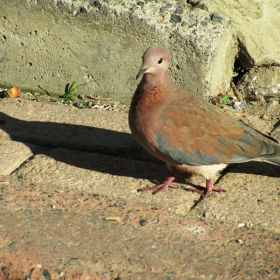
[{"x": 160, "y": 61}]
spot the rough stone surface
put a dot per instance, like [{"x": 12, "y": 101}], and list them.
[
  {"x": 64, "y": 234},
  {"x": 263, "y": 81},
  {"x": 73, "y": 209},
  {"x": 256, "y": 24},
  {"x": 99, "y": 44},
  {"x": 13, "y": 154}
]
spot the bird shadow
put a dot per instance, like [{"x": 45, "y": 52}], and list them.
[
  {"x": 92, "y": 148},
  {"x": 102, "y": 150}
]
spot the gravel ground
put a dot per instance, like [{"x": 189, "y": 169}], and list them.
[{"x": 72, "y": 210}]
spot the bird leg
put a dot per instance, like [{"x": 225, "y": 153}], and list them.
[
  {"x": 209, "y": 187},
  {"x": 161, "y": 186}
]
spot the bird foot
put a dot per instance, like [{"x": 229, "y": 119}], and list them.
[
  {"x": 161, "y": 186},
  {"x": 209, "y": 187}
]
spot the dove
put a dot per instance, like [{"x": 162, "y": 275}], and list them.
[{"x": 186, "y": 132}]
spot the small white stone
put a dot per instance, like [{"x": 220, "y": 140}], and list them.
[{"x": 241, "y": 225}]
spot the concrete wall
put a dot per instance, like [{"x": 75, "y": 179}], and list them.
[{"x": 99, "y": 44}]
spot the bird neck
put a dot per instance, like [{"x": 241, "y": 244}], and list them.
[
  {"x": 152, "y": 92},
  {"x": 156, "y": 81},
  {"x": 154, "y": 89},
  {"x": 150, "y": 97}
]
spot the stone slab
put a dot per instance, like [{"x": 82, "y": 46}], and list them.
[
  {"x": 256, "y": 25},
  {"x": 12, "y": 154},
  {"x": 99, "y": 44}
]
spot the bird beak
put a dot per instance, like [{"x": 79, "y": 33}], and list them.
[{"x": 142, "y": 71}]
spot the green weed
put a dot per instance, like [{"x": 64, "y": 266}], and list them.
[
  {"x": 70, "y": 94},
  {"x": 224, "y": 100}
]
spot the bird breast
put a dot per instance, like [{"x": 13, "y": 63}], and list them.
[{"x": 146, "y": 107}]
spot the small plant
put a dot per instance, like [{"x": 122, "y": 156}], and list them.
[
  {"x": 224, "y": 100},
  {"x": 70, "y": 93}
]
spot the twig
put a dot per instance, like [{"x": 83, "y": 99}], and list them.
[{"x": 236, "y": 91}]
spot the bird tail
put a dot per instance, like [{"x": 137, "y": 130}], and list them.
[{"x": 275, "y": 160}]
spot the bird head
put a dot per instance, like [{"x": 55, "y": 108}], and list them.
[{"x": 154, "y": 61}]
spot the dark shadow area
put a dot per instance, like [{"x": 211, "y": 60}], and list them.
[
  {"x": 102, "y": 150},
  {"x": 58, "y": 140},
  {"x": 256, "y": 168},
  {"x": 70, "y": 136}
]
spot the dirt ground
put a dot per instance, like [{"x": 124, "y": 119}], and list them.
[{"x": 72, "y": 210}]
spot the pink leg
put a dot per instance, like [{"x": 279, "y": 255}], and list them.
[
  {"x": 161, "y": 186},
  {"x": 209, "y": 187}
]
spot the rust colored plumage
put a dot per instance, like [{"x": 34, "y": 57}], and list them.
[{"x": 186, "y": 132}]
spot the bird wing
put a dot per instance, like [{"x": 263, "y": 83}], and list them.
[{"x": 192, "y": 131}]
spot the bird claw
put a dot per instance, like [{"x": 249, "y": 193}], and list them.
[
  {"x": 205, "y": 193},
  {"x": 158, "y": 187},
  {"x": 161, "y": 186}
]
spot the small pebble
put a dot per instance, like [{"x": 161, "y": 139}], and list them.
[
  {"x": 179, "y": 10},
  {"x": 216, "y": 18},
  {"x": 59, "y": 273},
  {"x": 46, "y": 274},
  {"x": 175, "y": 18},
  {"x": 205, "y": 215},
  {"x": 165, "y": 8},
  {"x": 142, "y": 222},
  {"x": 83, "y": 10},
  {"x": 239, "y": 105},
  {"x": 191, "y": 23},
  {"x": 200, "y": 17},
  {"x": 140, "y": 3}
]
